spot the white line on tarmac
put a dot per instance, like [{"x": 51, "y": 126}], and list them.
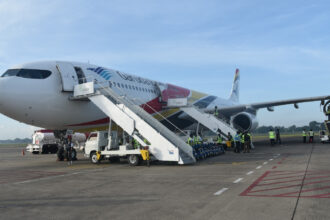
[
  {"x": 220, "y": 191},
  {"x": 238, "y": 180},
  {"x": 249, "y": 172},
  {"x": 258, "y": 167},
  {"x": 265, "y": 163},
  {"x": 46, "y": 178},
  {"x": 271, "y": 159}
]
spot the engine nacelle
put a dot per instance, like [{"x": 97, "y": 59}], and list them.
[{"x": 245, "y": 121}]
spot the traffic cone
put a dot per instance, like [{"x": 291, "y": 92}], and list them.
[{"x": 23, "y": 153}]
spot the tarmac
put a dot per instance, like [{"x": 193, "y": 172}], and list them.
[{"x": 288, "y": 181}]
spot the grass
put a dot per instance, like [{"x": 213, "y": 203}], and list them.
[
  {"x": 13, "y": 145},
  {"x": 265, "y": 136}
]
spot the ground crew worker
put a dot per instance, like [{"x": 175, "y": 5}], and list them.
[
  {"x": 311, "y": 136},
  {"x": 190, "y": 140},
  {"x": 195, "y": 140},
  {"x": 242, "y": 140},
  {"x": 278, "y": 137},
  {"x": 219, "y": 140},
  {"x": 271, "y": 137},
  {"x": 304, "y": 135},
  {"x": 230, "y": 138},
  {"x": 216, "y": 112},
  {"x": 199, "y": 139},
  {"x": 237, "y": 140},
  {"x": 69, "y": 150},
  {"x": 247, "y": 142}
]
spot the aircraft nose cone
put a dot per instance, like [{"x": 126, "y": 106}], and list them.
[
  {"x": 4, "y": 95},
  {"x": 1, "y": 93}
]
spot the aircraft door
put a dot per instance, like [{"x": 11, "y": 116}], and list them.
[
  {"x": 68, "y": 75},
  {"x": 161, "y": 88}
]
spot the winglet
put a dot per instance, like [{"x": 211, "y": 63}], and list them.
[{"x": 234, "y": 96}]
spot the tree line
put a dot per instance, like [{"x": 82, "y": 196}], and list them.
[{"x": 314, "y": 125}]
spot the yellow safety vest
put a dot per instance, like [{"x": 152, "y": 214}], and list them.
[
  {"x": 242, "y": 139},
  {"x": 311, "y": 133},
  {"x": 195, "y": 140},
  {"x": 216, "y": 112},
  {"x": 304, "y": 134},
  {"x": 271, "y": 135},
  {"x": 189, "y": 141},
  {"x": 219, "y": 141}
]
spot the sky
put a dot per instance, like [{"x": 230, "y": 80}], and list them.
[{"x": 281, "y": 47}]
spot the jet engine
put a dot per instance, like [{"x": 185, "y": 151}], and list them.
[{"x": 244, "y": 121}]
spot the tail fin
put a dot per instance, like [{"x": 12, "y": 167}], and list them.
[{"x": 234, "y": 96}]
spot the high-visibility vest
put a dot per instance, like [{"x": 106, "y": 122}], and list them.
[
  {"x": 237, "y": 137},
  {"x": 219, "y": 140},
  {"x": 249, "y": 136},
  {"x": 271, "y": 135},
  {"x": 216, "y": 112},
  {"x": 311, "y": 133},
  {"x": 304, "y": 133},
  {"x": 189, "y": 141},
  {"x": 195, "y": 140},
  {"x": 199, "y": 139},
  {"x": 242, "y": 138}
]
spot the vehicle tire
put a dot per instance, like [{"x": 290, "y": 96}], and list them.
[
  {"x": 133, "y": 160},
  {"x": 93, "y": 158},
  {"x": 44, "y": 149},
  {"x": 35, "y": 152},
  {"x": 60, "y": 154}
]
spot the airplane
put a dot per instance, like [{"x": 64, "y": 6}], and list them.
[{"x": 40, "y": 94}]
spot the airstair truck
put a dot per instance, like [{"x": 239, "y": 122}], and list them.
[{"x": 325, "y": 135}]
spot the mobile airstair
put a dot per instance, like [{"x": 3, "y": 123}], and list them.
[
  {"x": 164, "y": 144},
  {"x": 213, "y": 123}
]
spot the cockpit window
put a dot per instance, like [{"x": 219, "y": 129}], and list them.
[{"x": 28, "y": 73}]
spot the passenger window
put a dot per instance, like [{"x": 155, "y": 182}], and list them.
[
  {"x": 122, "y": 86},
  {"x": 129, "y": 86},
  {"x": 126, "y": 86}
]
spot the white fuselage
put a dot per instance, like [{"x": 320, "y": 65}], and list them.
[{"x": 43, "y": 103}]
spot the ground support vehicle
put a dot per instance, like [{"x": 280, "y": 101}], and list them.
[{"x": 98, "y": 148}]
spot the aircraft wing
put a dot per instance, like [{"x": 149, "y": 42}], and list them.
[{"x": 230, "y": 110}]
